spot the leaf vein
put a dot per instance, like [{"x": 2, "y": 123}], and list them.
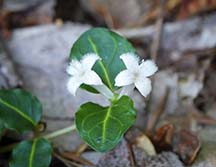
[
  {"x": 105, "y": 124},
  {"x": 32, "y": 153},
  {"x": 105, "y": 71},
  {"x": 17, "y": 111}
]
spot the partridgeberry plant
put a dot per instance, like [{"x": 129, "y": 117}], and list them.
[
  {"x": 104, "y": 61},
  {"x": 101, "y": 61}
]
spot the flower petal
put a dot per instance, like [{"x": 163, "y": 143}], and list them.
[
  {"x": 89, "y": 60},
  {"x": 144, "y": 86},
  {"x": 130, "y": 60},
  {"x": 74, "y": 67},
  {"x": 124, "y": 78},
  {"x": 91, "y": 78},
  {"x": 148, "y": 68},
  {"x": 73, "y": 84}
]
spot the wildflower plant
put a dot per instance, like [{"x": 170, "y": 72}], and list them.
[
  {"x": 113, "y": 59},
  {"x": 101, "y": 62}
]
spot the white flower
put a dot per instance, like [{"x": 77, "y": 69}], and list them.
[
  {"x": 136, "y": 75},
  {"x": 81, "y": 73}
]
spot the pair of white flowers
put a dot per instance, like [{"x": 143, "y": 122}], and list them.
[{"x": 136, "y": 75}]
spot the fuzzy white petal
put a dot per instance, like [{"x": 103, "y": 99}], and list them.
[
  {"x": 124, "y": 78},
  {"x": 130, "y": 60},
  {"x": 73, "y": 84},
  {"x": 91, "y": 78},
  {"x": 148, "y": 68},
  {"x": 74, "y": 67},
  {"x": 89, "y": 60},
  {"x": 144, "y": 86}
]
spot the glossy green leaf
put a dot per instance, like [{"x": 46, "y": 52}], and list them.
[
  {"x": 36, "y": 153},
  {"x": 103, "y": 127},
  {"x": 109, "y": 46},
  {"x": 19, "y": 110}
]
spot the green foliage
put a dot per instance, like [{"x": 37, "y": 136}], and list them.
[
  {"x": 103, "y": 127},
  {"x": 109, "y": 46},
  {"x": 19, "y": 110},
  {"x": 36, "y": 153}
]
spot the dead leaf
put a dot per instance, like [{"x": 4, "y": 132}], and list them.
[
  {"x": 163, "y": 137},
  {"x": 145, "y": 143},
  {"x": 184, "y": 143},
  {"x": 191, "y": 7}
]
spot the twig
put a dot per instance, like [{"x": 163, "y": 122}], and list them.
[
  {"x": 202, "y": 119},
  {"x": 157, "y": 38},
  {"x": 158, "y": 31},
  {"x": 154, "y": 51},
  {"x": 66, "y": 162},
  {"x": 104, "y": 11},
  {"x": 81, "y": 149},
  {"x": 76, "y": 158},
  {"x": 155, "y": 116},
  {"x": 131, "y": 155}
]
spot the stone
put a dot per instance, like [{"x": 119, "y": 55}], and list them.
[{"x": 41, "y": 54}]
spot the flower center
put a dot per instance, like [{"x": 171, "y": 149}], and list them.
[{"x": 135, "y": 75}]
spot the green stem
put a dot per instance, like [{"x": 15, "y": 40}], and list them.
[
  {"x": 59, "y": 132},
  {"x": 48, "y": 136}
]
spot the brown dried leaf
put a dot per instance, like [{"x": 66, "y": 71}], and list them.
[
  {"x": 182, "y": 142},
  {"x": 186, "y": 145},
  {"x": 163, "y": 137},
  {"x": 191, "y": 7}
]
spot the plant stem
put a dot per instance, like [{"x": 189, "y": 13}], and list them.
[
  {"x": 104, "y": 90},
  {"x": 59, "y": 132}
]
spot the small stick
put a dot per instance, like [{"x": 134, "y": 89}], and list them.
[
  {"x": 66, "y": 162},
  {"x": 155, "y": 116},
  {"x": 154, "y": 52},
  {"x": 81, "y": 149},
  {"x": 131, "y": 155},
  {"x": 73, "y": 157}
]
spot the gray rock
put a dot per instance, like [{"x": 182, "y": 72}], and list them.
[
  {"x": 8, "y": 75},
  {"x": 41, "y": 54},
  {"x": 20, "y": 5},
  {"x": 93, "y": 156},
  {"x": 118, "y": 157},
  {"x": 204, "y": 164},
  {"x": 165, "y": 159}
]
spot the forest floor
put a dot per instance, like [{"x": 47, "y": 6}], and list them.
[{"x": 175, "y": 126}]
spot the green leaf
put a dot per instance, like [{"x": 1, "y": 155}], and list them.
[
  {"x": 103, "y": 127},
  {"x": 19, "y": 110},
  {"x": 109, "y": 46},
  {"x": 36, "y": 153}
]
